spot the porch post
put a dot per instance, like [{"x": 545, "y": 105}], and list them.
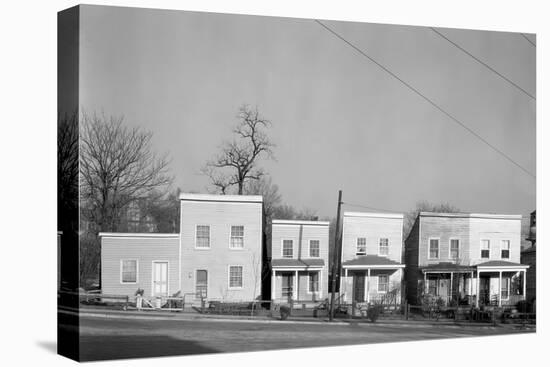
[
  {"x": 451, "y": 285},
  {"x": 425, "y": 284},
  {"x": 477, "y": 289},
  {"x": 471, "y": 283},
  {"x": 368, "y": 285},
  {"x": 344, "y": 282},
  {"x": 499, "y": 288},
  {"x": 295, "y": 290},
  {"x": 273, "y": 282},
  {"x": 524, "y": 284}
]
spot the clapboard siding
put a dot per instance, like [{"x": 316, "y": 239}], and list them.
[
  {"x": 372, "y": 228},
  {"x": 220, "y": 216},
  {"x": 495, "y": 230},
  {"x": 444, "y": 229},
  {"x": 145, "y": 251}
]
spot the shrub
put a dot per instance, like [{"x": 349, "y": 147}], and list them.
[
  {"x": 139, "y": 292},
  {"x": 285, "y": 312},
  {"x": 524, "y": 306},
  {"x": 374, "y": 312}
]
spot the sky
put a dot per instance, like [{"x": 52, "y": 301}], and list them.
[{"x": 338, "y": 120}]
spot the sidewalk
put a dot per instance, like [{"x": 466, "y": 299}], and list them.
[{"x": 193, "y": 315}]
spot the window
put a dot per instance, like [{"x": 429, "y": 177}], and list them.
[
  {"x": 432, "y": 287},
  {"x": 434, "y": 248},
  {"x": 384, "y": 248},
  {"x": 288, "y": 248},
  {"x": 313, "y": 282},
  {"x": 201, "y": 284},
  {"x": 314, "y": 248},
  {"x": 505, "y": 249},
  {"x": 383, "y": 283},
  {"x": 203, "y": 237},
  {"x": 454, "y": 248},
  {"x": 485, "y": 246},
  {"x": 505, "y": 288},
  {"x": 361, "y": 246},
  {"x": 128, "y": 271},
  {"x": 237, "y": 237},
  {"x": 235, "y": 277}
]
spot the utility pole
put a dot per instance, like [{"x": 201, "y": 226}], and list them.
[{"x": 336, "y": 256}]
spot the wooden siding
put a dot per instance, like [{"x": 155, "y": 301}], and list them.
[
  {"x": 495, "y": 230},
  {"x": 530, "y": 258},
  {"x": 145, "y": 251},
  {"x": 372, "y": 229},
  {"x": 445, "y": 229},
  {"x": 395, "y": 277},
  {"x": 412, "y": 272},
  {"x": 301, "y": 235},
  {"x": 220, "y": 216}
]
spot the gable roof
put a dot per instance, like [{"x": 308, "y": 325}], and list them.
[
  {"x": 297, "y": 263},
  {"x": 501, "y": 264},
  {"x": 371, "y": 260}
]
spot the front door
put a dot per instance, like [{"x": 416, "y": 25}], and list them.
[
  {"x": 160, "y": 278},
  {"x": 286, "y": 287},
  {"x": 359, "y": 287}
]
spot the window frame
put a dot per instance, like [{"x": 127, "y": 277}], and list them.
[
  {"x": 121, "y": 270},
  {"x": 318, "y": 248},
  {"x": 509, "y": 249},
  {"x": 209, "y": 237},
  {"x": 387, "y": 283},
  {"x": 481, "y": 249},
  {"x": 430, "y": 249},
  {"x": 451, "y": 248},
  {"x": 317, "y": 273},
  {"x": 231, "y": 237},
  {"x": 283, "y": 248},
  {"x": 229, "y": 277},
  {"x": 380, "y": 246},
  {"x": 357, "y": 253}
]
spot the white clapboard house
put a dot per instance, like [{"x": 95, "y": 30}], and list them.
[
  {"x": 371, "y": 257},
  {"x": 216, "y": 256},
  {"x": 299, "y": 261}
]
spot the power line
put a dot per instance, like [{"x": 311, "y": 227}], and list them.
[
  {"x": 426, "y": 99},
  {"x": 528, "y": 40},
  {"x": 482, "y": 63}
]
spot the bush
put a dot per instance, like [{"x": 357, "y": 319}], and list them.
[
  {"x": 285, "y": 312},
  {"x": 524, "y": 306},
  {"x": 373, "y": 313}
]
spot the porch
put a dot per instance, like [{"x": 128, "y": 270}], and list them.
[{"x": 297, "y": 281}]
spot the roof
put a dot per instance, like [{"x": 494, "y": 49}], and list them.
[
  {"x": 501, "y": 264},
  {"x": 374, "y": 215},
  {"x": 297, "y": 263},
  {"x": 470, "y": 215},
  {"x": 447, "y": 266},
  {"x": 300, "y": 222},
  {"x": 372, "y": 261},
  {"x": 222, "y": 198},
  {"x": 139, "y": 235}
]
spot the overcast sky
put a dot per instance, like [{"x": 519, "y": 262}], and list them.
[{"x": 339, "y": 121}]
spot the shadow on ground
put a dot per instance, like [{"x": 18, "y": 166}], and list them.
[
  {"x": 101, "y": 347},
  {"x": 50, "y": 346}
]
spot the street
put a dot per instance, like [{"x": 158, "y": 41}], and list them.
[{"x": 119, "y": 338}]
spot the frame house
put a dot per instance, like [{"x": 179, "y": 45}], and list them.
[
  {"x": 216, "y": 256},
  {"x": 465, "y": 259},
  {"x": 299, "y": 261},
  {"x": 371, "y": 257}
]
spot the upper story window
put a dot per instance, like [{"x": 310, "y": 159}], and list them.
[
  {"x": 384, "y": 247},
  {"x": 128, "y": 271},
  {"x": 361, "y": 246},
  {"x": 314, "y": 248},
  {"x": 454, "y": 248},
  {"x": 485, "y": 249},
  {"x": 288, "y": 248},
  {"x": 237, "y": 237},
  {"x": 434, "y": 248},
  {"x": 203, "y": 237},
  {"x": 505, "y": 249}
]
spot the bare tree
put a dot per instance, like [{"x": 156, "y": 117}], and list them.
[
  {"x": 237, "y": 163},
  {"x": 117, "y": 166}
]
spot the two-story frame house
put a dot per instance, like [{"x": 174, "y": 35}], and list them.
[
  {"x": 464, "y": 258},
  {"x": 299, "y": 260},
  {"x": 216, "y": 256},
  {"x": 371, "y": 256}
]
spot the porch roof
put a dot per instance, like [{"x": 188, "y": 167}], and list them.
[
  {"x": 447, "y": 267},
  {"x": 501, "y": 265},
  {"x": 372, "y": 261},
  {"x": 297, "y": 263}
]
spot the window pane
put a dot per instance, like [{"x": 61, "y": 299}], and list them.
[
  {"x": 203, "y": 236},
  {"x": 454, "y": 249},
  {"x": 505, "y": 249},
  {"x": 235, "y": 276},
  {"x": 129, "y": 271},
  {"x": 314, "y": 248},
  {"x": 383, "y": 283},
  {"x": 485, "y": 247}
]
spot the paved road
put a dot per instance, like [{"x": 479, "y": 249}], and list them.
[{"x": 117, "y": 338}]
